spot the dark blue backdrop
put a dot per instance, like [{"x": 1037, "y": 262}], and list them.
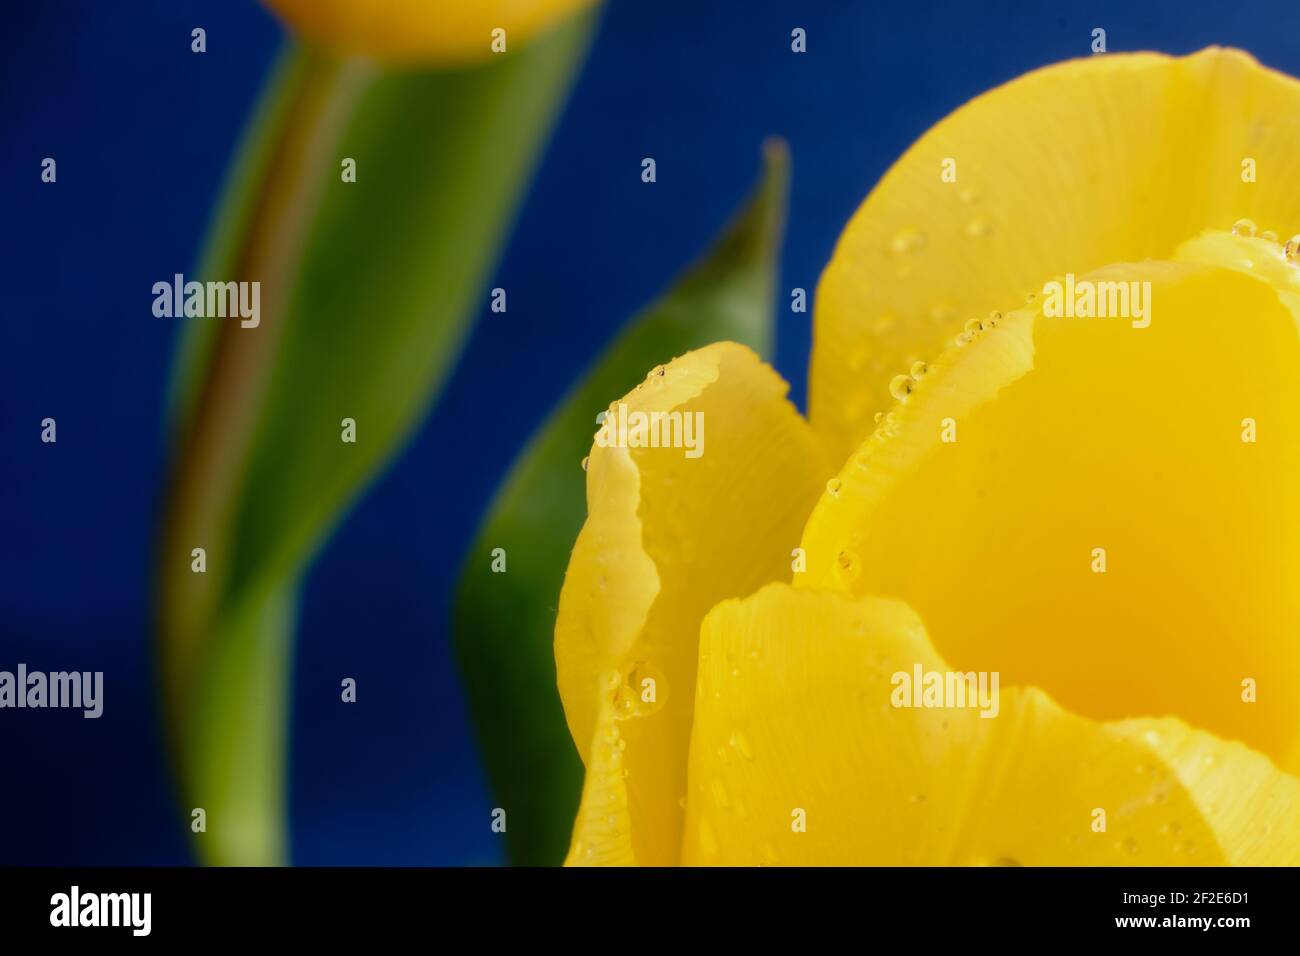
[{"x": 142, "y": 130}]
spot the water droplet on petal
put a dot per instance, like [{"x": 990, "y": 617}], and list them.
[
  {"x": 1268, "y": 234},
  {"x": 940, "y": 313},
  {"x": 884, "y": 324},
  {"x": 708, "y": 840},
  {"x": 901, "y": 386},
  {"x": 846, "y": 565},
  {"x": 1243, "y": 227},
  {"x": 1292, "y": 249},
  {"x": 907, "y": 240},
  {"x": 742, "y": 746},
  {"x": 586, "y": 462},
  {"x": 918, "y": 370},
  {"x": 833, "y": 487}
]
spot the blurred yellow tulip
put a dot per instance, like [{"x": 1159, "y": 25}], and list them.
[{"x": 422, "y": 32}]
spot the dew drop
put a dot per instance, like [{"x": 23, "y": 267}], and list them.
[
  {"x": 846, "y": 565},
  {"x": 833, "y": 487},
  {"x": 740, "y": 743},
  {"x": 586, "y": 462},
  {"x": 940, "y": 313},
  {"x": 962, "y": 339},
  {"x": 1268, "y": 234},
  {"x": 918, "y": 370},
  {"x": 901, "y": 386},
  {"x": 624, "y": 703},
  {"x": 878, "y": 417},
  {"x": 1292, "y": 249},
  {"x": 907, "y": 240},
  {"x": 1243, "y": 227},
  {"x": 884, "y": 324},
  {"x": 708, "y": 840}
]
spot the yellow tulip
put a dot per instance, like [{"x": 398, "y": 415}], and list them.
[
  {"x": 1054, "y": 442},
  {"x": 454, "y": 32}
]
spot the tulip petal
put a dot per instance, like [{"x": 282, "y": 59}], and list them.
[
  {"x": 1253, "y": 809},
  {"x": 667, "y": 537},
  {"x": 1104, "y": 511},
  {"x": 800, "y": 755},
  {"x": 416, "y": 31},
  {"x": 1106, "y": 159},
  {"x": 505, "y": 623}
]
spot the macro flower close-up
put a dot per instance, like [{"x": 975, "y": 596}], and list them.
[
  {"x": 459, "y": 449},
  {"x": 1049, "y": 468}
]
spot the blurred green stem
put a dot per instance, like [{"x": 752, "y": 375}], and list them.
[{"x": 367, "y": 291}]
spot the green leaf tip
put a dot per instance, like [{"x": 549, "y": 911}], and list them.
[{"x": 505, "y": 619}]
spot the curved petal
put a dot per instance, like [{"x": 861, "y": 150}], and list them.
[
  {"x": 417, "y": 31},
  {"x": 667, "y": 536},
  {"x": 801, "y": 755},
  {"x": 1112, "y": 158},
  {"x": 1105, "y": 511}
]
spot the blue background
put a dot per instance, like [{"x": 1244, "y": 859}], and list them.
[{"x": 142, "y": 130}]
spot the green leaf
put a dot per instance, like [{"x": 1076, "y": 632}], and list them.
[
  {"x": 505, "y": 622},
  {"x": 367, "y": 291}
]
